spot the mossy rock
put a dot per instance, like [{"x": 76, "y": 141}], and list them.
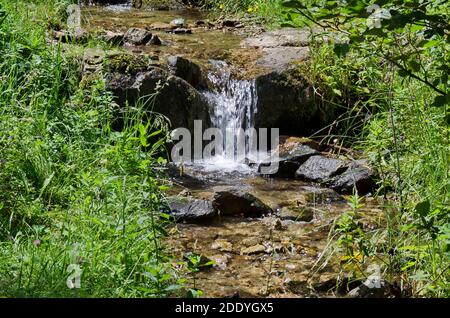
[{"x": 126, "y": 63}]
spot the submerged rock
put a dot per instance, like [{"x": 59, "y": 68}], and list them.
[
  {"x": 236, "y": 202},
  {"x": 297, "y": 213},
  {"x": 320, "y": 169},
  {"x": 184, "y": 209}
]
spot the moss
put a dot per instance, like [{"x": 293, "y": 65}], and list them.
[{"x": 126, "y": 63}]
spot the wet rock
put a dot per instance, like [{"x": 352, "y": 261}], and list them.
[
  {"x": 288, "y": 162},
  {"x": 184, "y": 209},
  {"x": 114, "y": 38},
  {"x": 178, "y": 23},
  {"x": 176, "y": 99},
  {"x": 222, "y": 245},
  {"x": 357, "y": 176},
  {"x": 251, "y": 241},
  {"x": 236, "y": 202},
  {"x": 185, "y": 69},
  {"x": 297, "y": 213},
  {"x": 320, "y": 169},
  {"x": 299, "y": 287},
  {"x": 136, "y": 36},
  {"x": 252, "y": 250},
  {"x": 227, "y": 23},
  {"x": 181, "y": 31},
  {"x": 220, "y": 261}
]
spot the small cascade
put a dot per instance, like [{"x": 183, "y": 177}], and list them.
[
  {"x": 124, "y": 6},
  {"x": 233, "y": 106}
]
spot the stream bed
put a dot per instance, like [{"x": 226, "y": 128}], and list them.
[{"x": 284, "y": 252}]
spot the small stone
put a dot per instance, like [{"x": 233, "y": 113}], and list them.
[
  {"x": 222, "y": 245},
  {"x": 178, "y": 23},
  {"x": 257, "y": 249}
]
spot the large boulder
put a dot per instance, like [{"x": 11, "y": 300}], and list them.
[
  {"x": 237, "y": 202},
  {"x": 157, "y": 88},
  {"x": 186, "y": 69},
  {"x": 286, "y": 99}
]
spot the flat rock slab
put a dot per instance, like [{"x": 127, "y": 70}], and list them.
[
  {"x": 284, "y": 37},
  {"x": 185, "y": 209},
  {"x": 280, "y": 48},
  {"x": 288, "y": 162},
  {"x": 320, "y": 169}
]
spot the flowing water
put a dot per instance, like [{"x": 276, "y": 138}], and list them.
[{"x": 272, "y": 255}]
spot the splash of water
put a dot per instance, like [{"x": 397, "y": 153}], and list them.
[{"x": 234, "y": 104}]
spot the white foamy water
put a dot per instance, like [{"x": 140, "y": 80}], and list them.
[
  {"x": 233, "y": 104},
  {"x": 120, "y": 7}
]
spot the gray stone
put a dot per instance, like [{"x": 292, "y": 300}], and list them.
[
  {"x": 114, "y": 38},
  {"x": 289, "y": 37},
  {"x": 184, "y": 209},
  {"x": 320, "y": 169},
  {"x": 136, "y": 36},
  {"x": 356, "y": 177},
  {"x": 289, "y": 163},
  {"x": 236, "y": 202}
]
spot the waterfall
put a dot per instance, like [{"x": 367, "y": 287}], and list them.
[{"x": 233, "y": 106}]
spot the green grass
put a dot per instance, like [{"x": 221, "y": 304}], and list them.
[
  {"x": 392, "y": 121},
  {"x": 73, "y": 192}
]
